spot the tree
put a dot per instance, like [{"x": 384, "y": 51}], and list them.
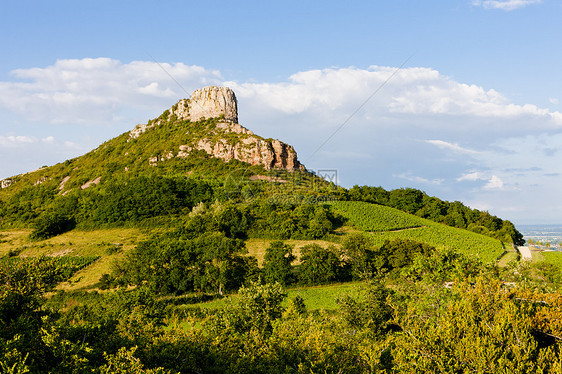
[
  {"x": 358, "y": 248},
  {"x": 50, "y": 224},
  {"x": 318, "y": 265},
  {"x": 277, "y": 263}
]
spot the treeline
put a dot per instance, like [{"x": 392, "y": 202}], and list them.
[
  {"x": 453, "y": 214},
  {"x": 205, "y": 253},
  {"x": 132, "y": 200},
  {"x": 135, "y": 200}
]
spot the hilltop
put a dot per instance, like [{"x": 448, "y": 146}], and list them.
[{"x": 205, "y": 125}]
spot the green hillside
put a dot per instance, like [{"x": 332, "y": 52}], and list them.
[{"x": 385, "y": 223}]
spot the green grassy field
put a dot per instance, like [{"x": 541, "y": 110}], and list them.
[
  {"x": 315, "y": 297},
  {"x": 384, "y": 224},
  {"x": 110, "y": 244},
  {"x": 554, "y": 257},
  {"x": 376, "y": 218}
]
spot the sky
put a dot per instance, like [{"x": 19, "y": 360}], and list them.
[{"x": 459, "y": 98}]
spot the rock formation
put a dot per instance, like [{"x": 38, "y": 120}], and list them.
[
  {"x": 220, "y": 102},
  {"x": 208, "y": 102}
]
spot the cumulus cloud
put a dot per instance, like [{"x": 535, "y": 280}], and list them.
[
  {"x": 11, "y": 140},
  {"x": 495, "y": 183},
  {"x": 475, "y": 176},
  {"x": 98, "y": 90},
  {"x": 418, "y": 179},
  {"x": 492, "y": 182},
  {"x": 505, "y": 4},
  {"x": 336, "y": 93}
]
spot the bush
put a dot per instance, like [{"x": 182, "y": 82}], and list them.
[{"x": 51, "y": 224}]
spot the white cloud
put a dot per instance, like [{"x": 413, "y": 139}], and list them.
[
  {"x": 553, "y": 100},
  {"x": 97, "y": 90},
  {"x": 505, "y": 4},
  {"x": 495, "y": 183},
  {"x": 451, "y": 146},
  {"x": 469, "y": 130},
  {"x": 475, "y": 176},
  {"x": 12, "y": 140},
  {"x": 418, "y": 179},
  {"x": 336, "y": 93}
]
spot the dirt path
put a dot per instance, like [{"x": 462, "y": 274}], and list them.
[{"x": 525, "y": 253}]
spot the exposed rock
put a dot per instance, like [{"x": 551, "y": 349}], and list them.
[
  {"x": 6, "y": 183},
  {"x": 208, "y": 102},
  {"x": 63, "y": 182},
  {"x": 139, "y": 129},
  {"x": 40, "y": 181},
  {"x": 253, "y": 150},
  {"x": 90, "y": 183},
  {"x": 220, "y": 102},
  {"x": 153, "y": 161}
]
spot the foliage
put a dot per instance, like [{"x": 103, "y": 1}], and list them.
[
  {"x": 277, "y": 263},
  {"x": 482, "y": 328},
  {"x": 255, "y": 309},
  {"x": 371, "y": 311},
  {"x": 376, "y": 218},
  {"x": 50, "y": 224},
  {"x": 291, "y": 221},
  {"x": 321, "y": 266}
]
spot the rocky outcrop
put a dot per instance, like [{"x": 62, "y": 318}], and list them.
[
  {"x": 208, "y": 102},
  {"x": 90, "y": 183},
  {"x": 5, "y": 183},
  {"x": 254, "y": 150},
  {"x": 220, "y": 102}
]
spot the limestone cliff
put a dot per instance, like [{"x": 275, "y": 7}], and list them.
[{"x": 217, "y": 138}]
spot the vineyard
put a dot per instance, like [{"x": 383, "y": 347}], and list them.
[
  {"x": 376, "y": 218},
  {"x": 51, "y": 270},
  {"x": 387, "y": 223}
]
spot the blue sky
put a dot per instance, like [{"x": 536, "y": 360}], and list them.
[{"x": 474, "y": 114}]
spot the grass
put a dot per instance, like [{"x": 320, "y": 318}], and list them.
[
  {"x": 110, "y": 244},
  {"x": 322, "y": 297},
  {"x": 510, "y": 255},
  {"x": 315, "y": 297},
  {"x": 554, "y": 257},
  {"x": 377, "y": 218}
]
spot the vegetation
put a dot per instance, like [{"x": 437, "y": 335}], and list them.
[
  {"x": 453, "y": 214},
  {"x": 440, "y": 236},
  {"x": 116, "y": 264}
]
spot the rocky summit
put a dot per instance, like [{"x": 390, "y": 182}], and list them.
[{"x": 220, "y": 103}]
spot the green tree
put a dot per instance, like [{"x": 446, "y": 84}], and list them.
[
  {"x": 318, "y": 265},
  {"x": 277, "y": 263},
  {"x": 50, "y": 224}
]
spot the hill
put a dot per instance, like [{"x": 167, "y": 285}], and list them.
[{"x": 189, "y": 244}]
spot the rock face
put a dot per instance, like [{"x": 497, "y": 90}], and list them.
[
  {"x": 213, "y": 102},
  {"x": 220, "y": 102},
  {"x": 253, "y": 150}
]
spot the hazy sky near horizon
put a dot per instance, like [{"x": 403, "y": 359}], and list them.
[{"x": 473, "y": 115}]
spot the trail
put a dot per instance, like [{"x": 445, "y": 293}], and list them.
[{"x": 525, "y": 253}]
